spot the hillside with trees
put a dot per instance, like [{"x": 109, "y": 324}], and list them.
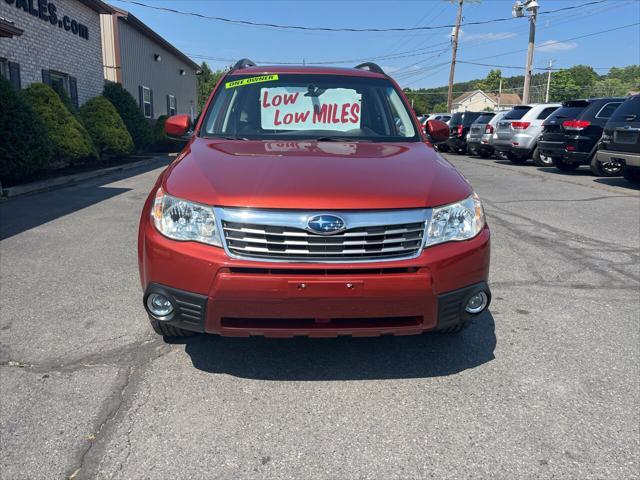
[{"x": 580, "y": 81}]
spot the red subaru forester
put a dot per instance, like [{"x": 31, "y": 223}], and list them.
[{"x": 310, "y": 202}]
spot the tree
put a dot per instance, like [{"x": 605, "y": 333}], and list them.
[
  {"x": 419, "y": 102},
  {"x": 574, "y": 82},
  {"x": 24, "y": 146},
  {"x": 440, "y": 107},
  {"x": 69, "y": 139},
  {"x": 207, "y": 80},
  {"x": 629, "y": 74},
  {"x": 492, "y": 82},
  {"x": 611, "y": 87},
  {"x": 107, "y": 130},
  {"x": 137, "y": 125}
]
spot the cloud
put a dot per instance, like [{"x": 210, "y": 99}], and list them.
[
  {"x": 485, "y": 37},
  {"x": 556, "y": 46}
]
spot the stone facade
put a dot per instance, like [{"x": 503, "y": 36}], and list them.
[{"x": 53, "y": 39}]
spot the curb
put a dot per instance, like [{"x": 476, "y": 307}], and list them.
[{"x": 67, "y": 180}]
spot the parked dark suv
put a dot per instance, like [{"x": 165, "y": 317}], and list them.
[
  {"x": 570, "y": 135},
  {"x": 620, "y": 142},
  {"x": 458, "y": 128}
]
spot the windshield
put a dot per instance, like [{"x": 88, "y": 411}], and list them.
[
  {"x": 562, "y": 113},
  {"x": 517, "y": 113},
  {"x": 456, "y": 119},
  {"x": 322, "y": 107}
]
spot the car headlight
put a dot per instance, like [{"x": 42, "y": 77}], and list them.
[
  {"x": 458, "y": 221},
  {"x": 183, "y": 220}
]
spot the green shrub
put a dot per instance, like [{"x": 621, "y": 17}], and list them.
[
  {"x": 161, "y": 142},
  {"x": 106, "y": 128},
  {"x": 138, "y": 126},
  {"x": 24, "y": 146},
  {"x": 69, "y": 139},
  {"x": 66, "y": 100}
]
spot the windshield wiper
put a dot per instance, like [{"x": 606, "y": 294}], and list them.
[{"x": 234, "y": 138}]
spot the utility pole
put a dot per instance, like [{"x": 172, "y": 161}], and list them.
[
  {"x": 499, "y": 94},
  {"x": 452, "y": 72},
  {"x": 546, "y": 97},
  {"x": 518, "y": 11}
]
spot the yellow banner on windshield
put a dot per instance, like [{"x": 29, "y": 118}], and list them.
[{"x": 250, "y": 81}]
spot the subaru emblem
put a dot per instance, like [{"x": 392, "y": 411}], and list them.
[{"x": 325, "y": 224}]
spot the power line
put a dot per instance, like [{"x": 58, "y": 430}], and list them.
[
  {"x": 479, "y": 44},
  {"x": 520, "y": 67},
  {"x": 423, "y": 51},
  {"x": 546, "y": 44},
  {"x": 413, "y": 35},
  {"x": 342, "y": 29}
]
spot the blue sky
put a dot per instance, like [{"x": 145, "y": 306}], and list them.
[{"x": 421, "y": 57}]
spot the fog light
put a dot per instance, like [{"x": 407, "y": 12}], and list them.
[
  {"x": 477, "y": 302},
  {"x": 159, "y": 305}
]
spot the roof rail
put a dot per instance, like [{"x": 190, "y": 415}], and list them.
[
  {"x": 372, "y": 67},
  {"x": 243, "y": 63}
]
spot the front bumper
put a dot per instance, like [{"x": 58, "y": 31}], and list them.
[
  {"x": 236, "y": 297},
  {"x": 629, "y": 159}
]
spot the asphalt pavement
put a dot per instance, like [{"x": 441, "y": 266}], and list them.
[{"x": 545, "y": 385}]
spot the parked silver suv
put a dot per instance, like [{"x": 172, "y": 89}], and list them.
[
  {"x": 490, "y": 133},
  {"x": 476, "y": 131},
  {"x": 518, "y": 132}
]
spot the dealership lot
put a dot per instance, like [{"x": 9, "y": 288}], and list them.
[{"x": 544, "y": 385}]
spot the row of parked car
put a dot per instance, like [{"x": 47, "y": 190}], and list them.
[{"x": 603, "y": 133}]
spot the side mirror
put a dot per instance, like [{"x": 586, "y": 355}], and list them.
[
  {"x": 178, "y": 127},
  {"x": 438, "y": 131}
]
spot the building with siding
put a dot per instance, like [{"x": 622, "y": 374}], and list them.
[
  {"x": 157, "y": 74},
  {"x": 53, "y": 41},
  {"x": 478, "y": 101}
]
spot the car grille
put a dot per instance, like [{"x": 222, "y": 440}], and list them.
[{"x": 290, "y": 243}]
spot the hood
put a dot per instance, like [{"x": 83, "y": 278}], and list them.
[{"x": 314, "y": 175}]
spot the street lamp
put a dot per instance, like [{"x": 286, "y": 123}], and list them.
[{"x": 518, "y": 10}]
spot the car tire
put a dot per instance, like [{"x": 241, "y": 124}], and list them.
[
  {"x": 608, "y": 169},
  {"x": 631, "y": 174},
  {"x": 457, "y": 328},
  {"x": 516, "y": 159},
  {"x": 540, "y": 160},
  {"x": 560, "y": 164},
  {"x": 169, "y": 330}
]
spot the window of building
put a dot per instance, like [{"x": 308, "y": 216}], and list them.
[
  {"x": 171, "y": 105},
  {"x": 62, "y": 83},
  {"x": 59, "y": 82},
  {"x": 4, "y": 68},
  {"x": 146, "y": 101}
]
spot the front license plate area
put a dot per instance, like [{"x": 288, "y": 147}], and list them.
[{"x": 325, "y": 289}]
